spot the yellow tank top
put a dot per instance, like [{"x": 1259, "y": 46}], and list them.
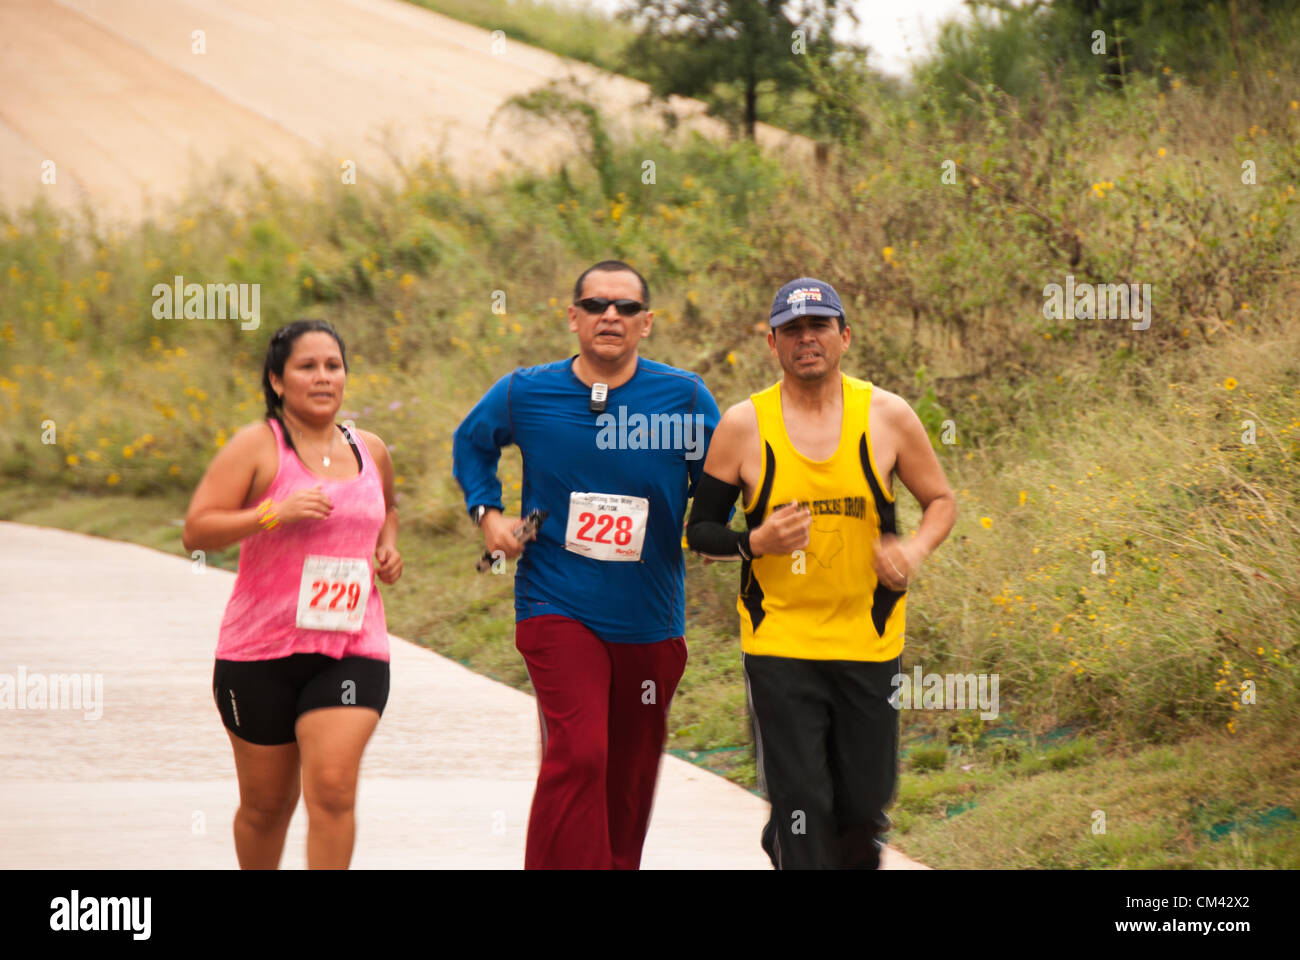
[{"x": 822, "y": 603}]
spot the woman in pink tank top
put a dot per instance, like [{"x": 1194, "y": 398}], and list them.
[{"x": 301, "y": 675}]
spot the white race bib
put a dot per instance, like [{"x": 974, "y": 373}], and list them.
[
  {"x": 606, "y": 526},
  {"x": 333, "y": 593}
]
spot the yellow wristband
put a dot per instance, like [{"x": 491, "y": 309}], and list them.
[{"x": 266, "y": 516}]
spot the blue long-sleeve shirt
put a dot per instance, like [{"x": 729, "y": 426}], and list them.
[{"x": 649, "y": 443}]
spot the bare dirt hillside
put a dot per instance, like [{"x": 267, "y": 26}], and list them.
[{"x": 132, "y": 100}]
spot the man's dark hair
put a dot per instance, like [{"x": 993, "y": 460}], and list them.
[{"x": 612, "y": 266}]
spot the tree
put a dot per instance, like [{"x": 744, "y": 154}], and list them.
[{"x": 695, "y": 47}]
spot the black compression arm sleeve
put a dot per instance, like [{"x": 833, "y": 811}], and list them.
[{"x": 707, "y": 531}]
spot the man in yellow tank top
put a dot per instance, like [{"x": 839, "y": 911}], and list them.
[{"x": 823, "y": 578}]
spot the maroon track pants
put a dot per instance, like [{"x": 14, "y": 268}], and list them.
[{"x": 604, "y": 716}]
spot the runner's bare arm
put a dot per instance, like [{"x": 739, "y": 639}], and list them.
[
  {"x": 379, "y": 453},
  {"x": 217, "y": 517},
  {"x": 918, "y": 469},
  {"x": 732, "y": 467},
  {"x": 707, "y": 532},
  {"x": 734, "y": 459},
  {"x": 726, "y": 456},
  {"x": 388, "y": 561}
]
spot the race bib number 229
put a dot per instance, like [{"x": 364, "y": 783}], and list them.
[
  {"x": 606, "y": 526},
  {"x": 333, "y": 593}
]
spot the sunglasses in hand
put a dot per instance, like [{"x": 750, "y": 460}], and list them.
[{"x": 628, "y": 308}]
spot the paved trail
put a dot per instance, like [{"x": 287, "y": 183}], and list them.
[
  {"x": 446, "y": 781},
  {"x": 115, "y": 94}
]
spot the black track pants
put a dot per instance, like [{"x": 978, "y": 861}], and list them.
[{"x": 826, "y": 739}]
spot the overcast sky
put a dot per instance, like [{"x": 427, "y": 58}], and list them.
[{"x": 889, "y": 27}]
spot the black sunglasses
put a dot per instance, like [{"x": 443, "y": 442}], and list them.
[{"x": 628, "y": 308}]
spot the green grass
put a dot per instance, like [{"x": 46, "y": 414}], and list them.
[
  {"x": 567, "y": 30},
  {"x": 1156, "y": 805}
]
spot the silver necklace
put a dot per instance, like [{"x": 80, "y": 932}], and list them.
[{"x": 333, "y": 434}]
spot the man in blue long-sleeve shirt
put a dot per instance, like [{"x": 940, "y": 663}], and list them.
[{"x": 600, "y": 595}]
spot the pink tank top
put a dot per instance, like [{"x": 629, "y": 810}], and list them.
[{"x": 261, "y": 618}]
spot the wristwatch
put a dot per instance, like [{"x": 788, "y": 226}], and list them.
[{"x": 476, "y": 513}]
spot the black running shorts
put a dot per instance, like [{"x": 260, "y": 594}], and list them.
[{"x": 261, "y": 700}]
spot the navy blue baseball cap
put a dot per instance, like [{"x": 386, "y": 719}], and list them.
[{"x": 805, "y": 297}]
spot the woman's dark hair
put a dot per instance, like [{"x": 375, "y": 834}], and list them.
[{"x": 277, "y": 355}]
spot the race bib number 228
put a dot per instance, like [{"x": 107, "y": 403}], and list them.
[{"x": 606, "y": 526}]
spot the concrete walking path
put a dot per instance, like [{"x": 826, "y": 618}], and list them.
[{"x": 445, "y": 783}]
